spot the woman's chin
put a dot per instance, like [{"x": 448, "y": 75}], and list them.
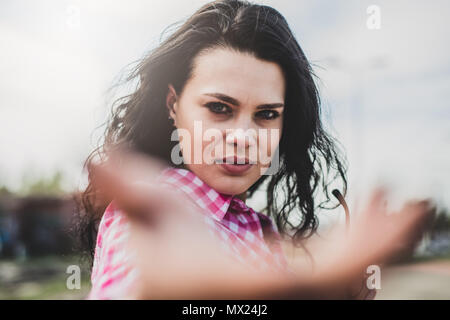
[
  {"x": 226, "y": 182},
  {"x": 232, "y": 185}
]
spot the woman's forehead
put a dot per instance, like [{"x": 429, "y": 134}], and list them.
[{"x": 236, "y": 74}]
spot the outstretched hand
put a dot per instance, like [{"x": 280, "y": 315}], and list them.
[{"x": 178, "y": 258}]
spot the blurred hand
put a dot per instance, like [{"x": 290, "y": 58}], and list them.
[
  {"x": 178, "y": 258},
  {"x": 175, "y": 255},
  {"x": 375, "y": 237}
]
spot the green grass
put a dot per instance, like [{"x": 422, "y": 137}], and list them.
[
  {"x": 416, "y": 259},
  {"x": 41, "y": 278}
]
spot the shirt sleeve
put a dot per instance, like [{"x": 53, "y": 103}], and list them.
[{"x": 112, "y": 272}]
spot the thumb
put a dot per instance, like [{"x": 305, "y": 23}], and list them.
[{"x": 131, "y": 180}]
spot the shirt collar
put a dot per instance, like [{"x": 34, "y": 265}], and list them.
[{"x": 201, "y": 193}]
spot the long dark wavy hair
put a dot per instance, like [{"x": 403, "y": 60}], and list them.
[{"x": 310, "y": 158}]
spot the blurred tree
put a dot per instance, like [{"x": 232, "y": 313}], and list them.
[
  {"x": 43, "y": 185},
  {"x": 438, "y": 235},
  {"x": 441, "y": 222},
  {"x": 4, "y": 191}
]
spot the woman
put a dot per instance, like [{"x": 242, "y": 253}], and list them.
[{"x": 234, "y": 84}]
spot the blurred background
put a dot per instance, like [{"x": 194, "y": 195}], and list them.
[{"x": 383, "y": 69}]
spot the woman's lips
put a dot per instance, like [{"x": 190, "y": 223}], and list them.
[
  {"x": 236, "y": 168},
  {"x": 235, "y": 165}
]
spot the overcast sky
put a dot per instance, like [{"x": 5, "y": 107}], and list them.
[{"x": 385, "y": 91}]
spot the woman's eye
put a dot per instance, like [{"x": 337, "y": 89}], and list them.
[
  {"x": 267, "y": 114},
  {"x": 217, "y": 107}
]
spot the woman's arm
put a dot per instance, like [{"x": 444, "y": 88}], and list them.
[{"x": 178, "y": 259}]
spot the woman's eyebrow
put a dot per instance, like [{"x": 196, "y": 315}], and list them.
[{"x": 235, "y": 102}]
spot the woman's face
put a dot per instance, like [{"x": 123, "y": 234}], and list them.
[{"x": 230, "y": 111}]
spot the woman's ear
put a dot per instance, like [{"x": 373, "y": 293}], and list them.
[{"x": 171, "y": 103}]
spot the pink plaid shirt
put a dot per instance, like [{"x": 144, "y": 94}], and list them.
[{"x": 247, "y": 235}]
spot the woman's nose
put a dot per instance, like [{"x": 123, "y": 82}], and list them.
[{"x": 241, "y": 138}]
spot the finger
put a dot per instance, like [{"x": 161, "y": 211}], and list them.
[
  {"x": 400, "y": 231},
  {"x": 129, "y": 197},
  {"x": 378, "y": 200},
  {"x": 415, "y": 217},
  {"x": 136, "y": 165},
  {"x": 378, "y": 239},
  {"x": 130, "y": 181}
]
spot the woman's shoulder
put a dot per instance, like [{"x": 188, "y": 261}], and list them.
[{"x": 112, "y": 224}]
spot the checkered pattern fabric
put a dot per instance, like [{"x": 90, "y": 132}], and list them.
[{"x": 249, "y": 236}]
